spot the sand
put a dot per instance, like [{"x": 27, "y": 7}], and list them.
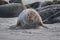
[{"x": 53, "y": 33}]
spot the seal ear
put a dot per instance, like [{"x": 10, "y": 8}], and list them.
[{"x": 43, "y": 25}]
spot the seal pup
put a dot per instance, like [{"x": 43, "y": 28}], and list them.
[{"x": 28, "y": 19}]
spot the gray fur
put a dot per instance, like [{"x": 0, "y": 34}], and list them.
[{"x": 10, "y": 10}]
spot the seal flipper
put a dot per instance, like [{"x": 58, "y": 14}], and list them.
[
  {"x": 43, "y": 25},
  {"x": 17, "y": 26},
  {"x": 13, "y": 27}
]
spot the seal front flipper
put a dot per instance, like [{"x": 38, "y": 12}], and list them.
[
  {"x": 17, "y": 26},
  {"x": 12, "y": 27}
]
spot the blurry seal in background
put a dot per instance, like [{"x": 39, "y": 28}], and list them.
[
  {"x": 2, "y": 2},
  {"x": 14, "y": 1},
  {"x": 48, "y": 11},
  {"x": 10, "y": 10},
  {"x": 33, "y": 5},
  {"x": 28, "y": 19}
]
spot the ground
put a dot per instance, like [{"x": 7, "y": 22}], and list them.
[{"x": 53, "y": 33}]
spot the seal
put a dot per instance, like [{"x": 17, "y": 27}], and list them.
[
  {"x": 14, "y": 1},
  {"x": 29, "y": 19},
  {"x": 34, "y": 5},
  {"x": 2, "y": 2},
  {"x": 10, "y": 10}
]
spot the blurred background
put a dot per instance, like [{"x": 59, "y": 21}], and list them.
[{"x": 31, "y": 1}]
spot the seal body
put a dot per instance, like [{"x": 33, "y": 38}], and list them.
[
  {"x": 15, "y": 1},
  {"x": 2, "y": 2},
  {"x": 29, "y": 18},
  {"x": 10, "y": 10}
]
